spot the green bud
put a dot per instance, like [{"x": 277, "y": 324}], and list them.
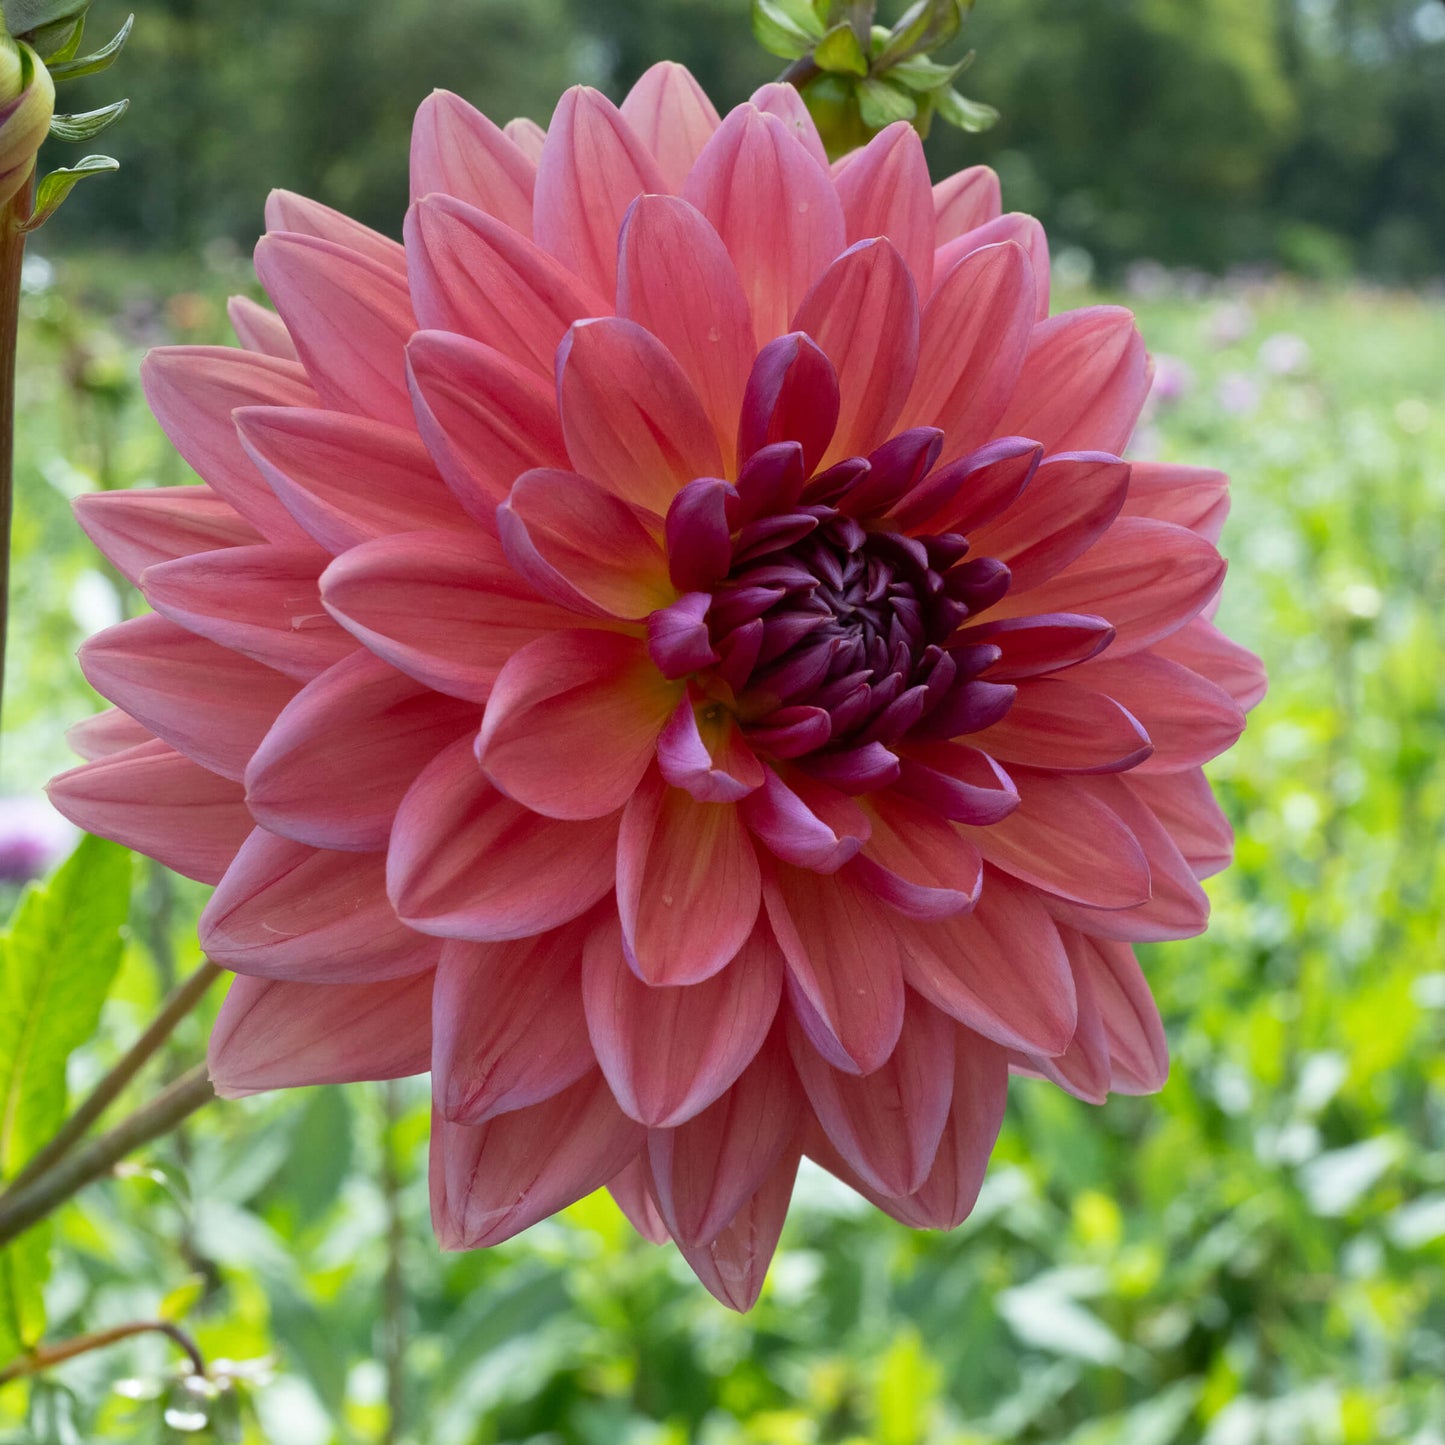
[{"x": 27, "y": 101}]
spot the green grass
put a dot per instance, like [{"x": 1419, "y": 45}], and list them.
[{"x": 1258, "y": 1255}]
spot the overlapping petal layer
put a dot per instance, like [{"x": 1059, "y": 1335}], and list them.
[{"x": 675, "y": 649}]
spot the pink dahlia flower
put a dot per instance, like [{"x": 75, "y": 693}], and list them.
[{"x": 672, "y": 649}]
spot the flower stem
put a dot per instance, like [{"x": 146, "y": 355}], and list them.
[
  {"x": 28, "y": 1206},
  {"x": 177, "y": 1006},
  {"x": 12, "y": 254},
  {"x": 44, "y": 1356}
]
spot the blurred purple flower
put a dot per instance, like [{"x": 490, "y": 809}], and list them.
[
  {"x": 33, "y": 837},
  {"x": 1230, "y": 323},
  {"x": 1285, "y": 354},
  {"x": 1173, "y": 380},
  {"x": 1238, "y": 393}
]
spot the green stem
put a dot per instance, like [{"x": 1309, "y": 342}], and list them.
[
  {"x": 44, "y": 1356},
  {"x": 12, "y": 254},
  {"x": 177, "y": 1007},
  {"x": 28, "y": 1206}
]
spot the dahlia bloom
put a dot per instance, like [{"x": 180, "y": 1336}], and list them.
[{"x": 674, "y": 650}]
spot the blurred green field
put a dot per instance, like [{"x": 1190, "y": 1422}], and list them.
[{"x": 1257, "y": 1257}]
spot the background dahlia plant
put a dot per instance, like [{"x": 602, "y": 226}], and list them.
[{"x": 674, "y": 649}]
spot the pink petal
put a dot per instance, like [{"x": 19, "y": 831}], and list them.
[
  {"x": 676, "y": 278},
  {"x": 1083, "y": 383},
  {"x": 527, "y": 136},
  {"x": 1017, "y": 228},
  {"x": 457, "y": 150},
  {"x": 734, "y": 1264},
  {"x": 669, "y": 112},
  {"x": 888, "y": 1124},
  {"x": 494, "y": 1180},
  {"x": 806, "y": 822},
  {"x": 702, "y": 750},
  {"x": 916, "y": 861},
  {"x": 1083, "y": 1069},
  {"x": 1063, "y": 839},
  {"x": 1138, "y": 1050},
  {"x": 1185, "y": 806},
  {"x": 260, "y": 330},
  {"x": 1188, "y": 718},
  {"x": 630, "y": 416},
  {"x": 863, "y": 313},
  {"x": 104, "y": 734},
  {"x": 965, "y": 201},
  {"x": 1067, "y": 506},
  {"x": 508, "y": 1025},
  {"x": 956, "y": 781},
  {"x": 582, "y": 547},
  {"x": 688, "y": 884},
  {"x": 792, "y": 396},
  {"x": 279, "y": 1034},
  {"x": 1204, "y": 649},
  {"x": 973, "y": 338},
  {"x": 1045, "y": 642},
  {"x": 346, "y": 479},
  {"x": 845, "y": 964},
  {"x": 631, "y": 1191},
  {"x": 705, "y": 1169},
  {"x": 972, "y": 490},
  {"x": 194, "y": 389},
  {"x": 284, "y": 910},
  {"x": 474, "y": 274},
  {"x": 261, "y": 602},
  {"x": 152, "y": 799},
  {"x": 774, "y": 207},
  {"x": 1193, "y": 497},
  {"x": 592, "y": 168},
  {"x": 359, "y": 720},
  {"x": 783, "y": 100},
  {"x": 670, "y": 1052},
  {"x": 350, "y": 317},
  {"x": 485, "y": 419},
  {"x": 443, "y": 607},
  {"x": 213, "y": 705},
  {"x": 885, "y": 192},
  {"x": 466, "y": 862},
  {"x": 1148, "y": 578},
  {"x": 139, "y": 528},
  {"x": 1000, "y": 970},
  {"x": 286, "y": 211},
  {"x": 1060, "y": 726}
]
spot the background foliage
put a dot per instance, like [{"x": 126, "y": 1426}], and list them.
[{"x": 1256, "y": 1257}]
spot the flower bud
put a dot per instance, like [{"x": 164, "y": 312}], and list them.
[{"x": 27, "y": 101}]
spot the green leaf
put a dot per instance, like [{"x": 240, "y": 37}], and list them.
[
  {"x": 23, "y": 16},
  {"x": 88, "y": 124},
  {"x": 780, "y": 32},
  {"x": 57, "y": 961},
  {"x": 838, "y": 51},
  {"x": 24, "y": 1268},
  {"x": 180, "y": 1301},
  {"x": 53, "y": 190},
  {"x": 969, "y": 115},
  {"x": 925, "y": 26},
  {"x": 60, "y": 41},
  {"x": 880, "y": 104},
  {"x": 97, "y": 60},
  {"x": 921, "y": 75}
]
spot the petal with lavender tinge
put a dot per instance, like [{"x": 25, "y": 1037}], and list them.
[
  {"x": 582, "y": 547},
  {"x": 917, "y": 861},
  {"x": 259, "y": 329},
  {"x": 702, "y": 750},
  {"x": 284, "y": 910},
  {"x": 138, "y": 528},
  {"x": 279, "y": 1034},
  {"x": 670, "y": 1052},
  {"x": 1193, "y": 497},
  {"x": 1083, "y": 384},
  {"x": 493, "y": 1180},
  {"x": 592, "y": 169},
  {"x": 806, "y": 822},
  {"x": 286, "y": 211},
  {"x": 151, "y": 798},
  {"x": 538, "y": 873},
  {"x": 347, "y": 479},
  {"x": 971, "y": 490},
  {"x": 675, "y": 277},
  {"x": 888, "y": 1123},
  {"x": 863, "y": 313},
  {"x": 508, "y": 1026},
  {"x": 1001, "y": 970},
  {"x": 1060, "y": 726},
  {"x": 973, "y": 338},
  {"x": 1186, "y": 808},
  {"x": 792, "y": 396},
  {"x": 194, "y": 389},
  {"x": 1044, "y": 642},
  {"x": 629, "y": 414},
  {"x": 1015, "y": 228},
  {"x": 456, "y": 150},
  {"x": 669, "y": 112},
  {"x": 214, "y": 705},
  {"x": 360, "y": 719},
  {"x": 885, "y": 192},
  {"x": 705, "y": 1169},
  {"x": 965, "y": 201},
  {"x": 688, "y": 884},
  {"x": 443, "y": 607},
  {"x": 262, "y": 602},
  {"x": 473, "y": 274},
  {"x": 350, "y": 317},
  {"x": 845, "y": 964},
  {"x": 956, "y": 781},
  {"x": 774, "y": 207}
]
